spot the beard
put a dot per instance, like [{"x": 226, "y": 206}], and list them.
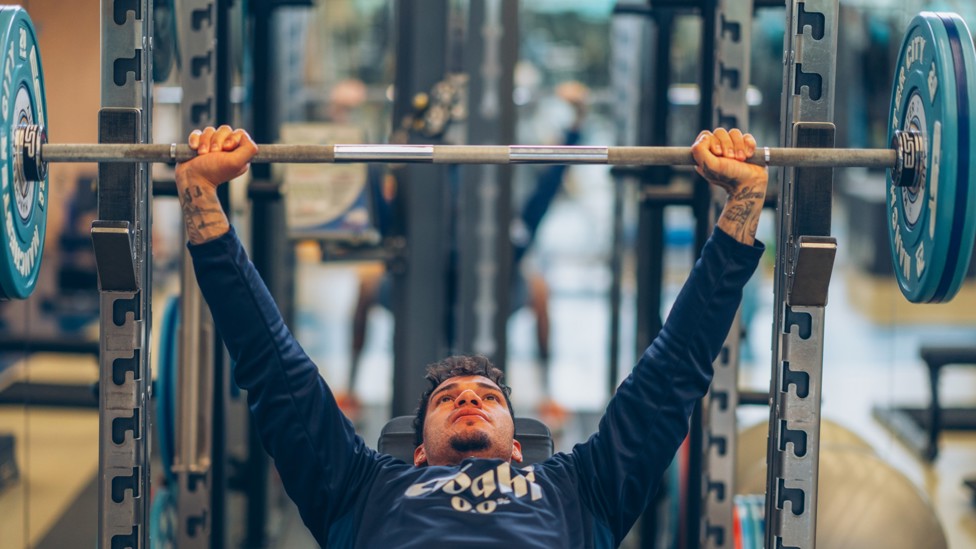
[{"x": 471, "y": 442}]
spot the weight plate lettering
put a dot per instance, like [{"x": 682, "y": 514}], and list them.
[
  {"x": 931, "y": 223},
  {"x": 23, "y": 213}
]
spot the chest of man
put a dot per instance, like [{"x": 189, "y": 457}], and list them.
[{"x": 481, "y": 503}]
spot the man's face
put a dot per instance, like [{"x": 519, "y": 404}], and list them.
[{"x": 467, "y": 416}]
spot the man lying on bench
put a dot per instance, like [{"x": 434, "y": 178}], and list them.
[{"x": 465, "y": 486}]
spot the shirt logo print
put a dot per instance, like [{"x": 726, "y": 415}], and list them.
[{"x": 476, "y": 494}]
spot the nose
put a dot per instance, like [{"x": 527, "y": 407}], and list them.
[{"x": 468, "y": 398}]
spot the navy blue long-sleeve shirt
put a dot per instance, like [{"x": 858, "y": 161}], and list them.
[{"x": 349, "y": 495}]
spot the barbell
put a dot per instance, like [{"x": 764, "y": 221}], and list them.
[
  {"x": 34, "y": 153},
  {"x": 931, "y": 161}
]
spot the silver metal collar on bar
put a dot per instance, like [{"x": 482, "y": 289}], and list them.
[
  {"x": 384, "y": 153},
  {"x": 561, "y": 155}
]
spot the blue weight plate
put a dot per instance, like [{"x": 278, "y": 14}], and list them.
[
  {"x": 754, "y": 502},
  {"x": 964, "y": 206},
  {"x": 166, "y": 386},
  {"x": 736, "y": 526},
  {"x": 743, "y": 515},
  {"x": 933, "y": 94},
  {"x": 163, "y": 520},
  {"x": 674, "y": 501},
  {"x": 23, "y": 213},
  {"x": 755, "y": 535},
  {"x": 759, "y": 519}
]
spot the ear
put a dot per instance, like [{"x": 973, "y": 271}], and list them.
[
  {"x": 516, "y": 451},
  {"x": 420, "y": 456}
]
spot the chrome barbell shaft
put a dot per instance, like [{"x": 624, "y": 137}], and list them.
[{"x": 471, "y": 154}]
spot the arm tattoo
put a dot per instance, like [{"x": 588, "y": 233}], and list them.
[
  {"x": 740, "y": 217},
  {"x": 747, "y": 193},
  {"x": 202, "y": 214}
]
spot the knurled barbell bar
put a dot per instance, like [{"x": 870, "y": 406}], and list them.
[
  {"x": 33, "y": 153},
  {"x": 931, "y": 162}
]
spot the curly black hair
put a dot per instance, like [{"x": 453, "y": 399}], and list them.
[{"x": 454, "y": 366}]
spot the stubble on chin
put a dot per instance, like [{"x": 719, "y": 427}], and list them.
[{"x": 470, "y": 442}]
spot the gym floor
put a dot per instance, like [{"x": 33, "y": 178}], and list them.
[{"x": 56, "y": 449}]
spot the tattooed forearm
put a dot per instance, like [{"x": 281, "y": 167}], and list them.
[
  {"x": 740, "y": 217},
  {"x": 737, "y": 219},
  {"x": 748, "y": 193},
  {"x": 202, "y": 214}
]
